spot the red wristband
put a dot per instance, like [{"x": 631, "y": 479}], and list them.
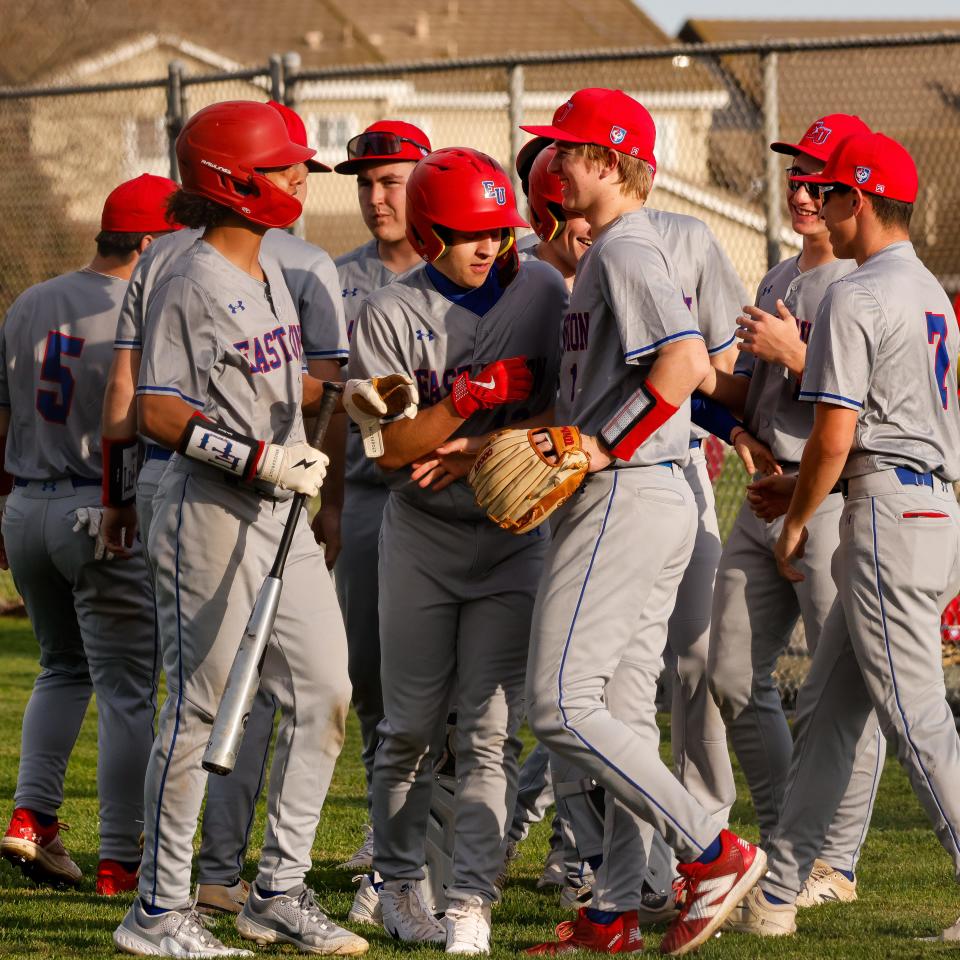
[
  {"x": 464, "y": 402},
  {"x": 639, "y": 418}
]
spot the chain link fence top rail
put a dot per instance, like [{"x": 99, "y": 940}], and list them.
[{"x": 716, "y": 106}]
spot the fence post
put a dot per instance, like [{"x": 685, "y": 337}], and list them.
[
  {"x": 771, "y": 133},
  {"x": 291, "y": 67},
  {"x": 176, "y": 112},
  {"x": 276, "y": 78},
  {"x": 515, "y": 139},
  {"x": 283, "y": 73}
]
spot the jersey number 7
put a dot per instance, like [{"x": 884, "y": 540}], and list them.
[
  {"x": 54, "y": 405},
  {"x": 937, "y": 332}
]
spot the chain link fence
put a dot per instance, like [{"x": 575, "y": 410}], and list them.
[{"x": 716, "y": 107}]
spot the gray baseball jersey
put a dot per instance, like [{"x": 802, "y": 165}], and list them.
[
  {"x": 902, "y": 383},
  {"x": 772, "y": 412},
  {"x": 627, "y": 294}
]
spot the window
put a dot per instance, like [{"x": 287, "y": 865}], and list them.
[{"x": 145, "y": 146}]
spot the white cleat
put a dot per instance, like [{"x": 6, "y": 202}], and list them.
[
  {"x": 366, "y": 901},
  {"x": 826, "y": 885},
  {"x": 174, "y": 933},
  {"x": 405, "y": 915},
  {"x": 468, "y": 926},
  {"x": 757, "y": 915},
  {"x": 362, "y": 860},
  {"x": 215, "y": 898}
]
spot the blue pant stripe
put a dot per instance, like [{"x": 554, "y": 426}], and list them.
[
  {"x": 563, "y": 660},
  {"x": 176, "y": 725},
  {"x": 893, "y": 677}
]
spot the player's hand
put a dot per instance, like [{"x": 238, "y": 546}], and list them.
[
  {"x": 503, "y": 381},
  {"x": 366, "y": 400},
  {"x": 790, "y": 547},
  {"x": 118, "y": 529},
  {"x": 450, "y": 462},
  {"x": 599, "y": 458},
  {"x": 755, "y": 454},
  {"x": 90, "y": 519},
  {"x": 775, "y": 339},
  {"x": 769, "y": 498},
  {"x": 326, "y": 531},
  {"x": 297, "y": 467}
]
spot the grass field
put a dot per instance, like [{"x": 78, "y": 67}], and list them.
[{"x": 905, "y": 880}]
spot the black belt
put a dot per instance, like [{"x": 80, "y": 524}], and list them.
[{"x": 53, "y": 481}]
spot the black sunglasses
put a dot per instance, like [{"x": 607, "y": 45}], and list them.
[
  {"x": 379, "y": 144},
  {"x": 814, "y": 190}
]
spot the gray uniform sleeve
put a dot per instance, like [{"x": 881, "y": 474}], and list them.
[
  {"x": 720, "y": 297},
  {"x": 181, "y": 345},
  {"x": 645, "y": 299},
  {"x": 842, "y": 348},
  {"x": 321, "y": 313},
  {"x": 375, "y": 348},
  {"x": 129, "y": 334}
]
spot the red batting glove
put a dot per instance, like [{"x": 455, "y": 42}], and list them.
[{"x": 502, "y": 381}]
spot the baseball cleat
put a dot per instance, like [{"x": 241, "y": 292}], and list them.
[
  {"x": 710, "y": 891},
  {"x": 657, "y": 907},
  {"x": 468, "y": 926},
  {"x": 213, "y": 898},
  {"x": 38, "y": 851},
  {"x": 362, "y": 860},
  {"x": 366, "y": 901},
  {"x": 950, "y": 935},
  {"x": 756, "y": 914},
  {"x": 405, "y": 915},
  {"x": 826, "y": 885},
  {"x": 295, "y": 917},
  {"x": 114, "y": 878},
  {"x": 554, "y": 869},
  {"x": 174, "y": 933},
  {"x": 576, "y": 892},
  {"x": 510, "y": 854},
  {"x": 621, "y": 936}
]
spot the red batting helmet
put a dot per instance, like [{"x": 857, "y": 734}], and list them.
[
  {"x": 221, "y": 151},
  {"x": 547, "y": 216},
  {"x": 459, "y": 189}
]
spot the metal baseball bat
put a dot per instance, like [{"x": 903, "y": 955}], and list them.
[{"x": 243, "y": 680}]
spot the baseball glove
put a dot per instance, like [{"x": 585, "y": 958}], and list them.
[{"x": 516, "y": 485}]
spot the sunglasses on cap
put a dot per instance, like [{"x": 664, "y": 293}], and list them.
[{"x": 377, "y": 143}]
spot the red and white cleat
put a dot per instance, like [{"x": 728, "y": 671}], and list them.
[
  {"x": 114, "y": 878},
  {"x": 621, "y": 936},
  {"x": 711, "y": 891},
  {"x": 38, "y": 851}
]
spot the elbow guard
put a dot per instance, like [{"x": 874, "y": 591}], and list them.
[{"x": 642, "y": 415}]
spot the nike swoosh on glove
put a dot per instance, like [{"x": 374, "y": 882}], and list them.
[{"x": 503, "y": 381}]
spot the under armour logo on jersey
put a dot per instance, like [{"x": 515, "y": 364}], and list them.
[
  {"x": 862, "y": 174},
  {"x": 818, "y": 133},
  {"x": 235, "y": 308},
  {"x": 347, "y": 292},
  {"x": 766, "y": 290},
  {"x": 492, "y": 192},
  {"x": 617, "y": 134},
  {"x": 426, "y": 335}
]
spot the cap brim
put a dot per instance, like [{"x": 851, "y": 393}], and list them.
[
  {"x": 815, "y": 178},
  {"x": 789, "y": 148},
  {"x": 315, "y": 166},
  {"x": 352, "y": 166},
  {"x": 555, "y": 133}
]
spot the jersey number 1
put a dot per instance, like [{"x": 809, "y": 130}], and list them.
[
  {"x": 937, "y": 333},
  {"x": 54, "y": 405}
]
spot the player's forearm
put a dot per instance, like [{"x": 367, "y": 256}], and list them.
[
  {"x": 725, "y": 360},
  {"x": 405, "y": 441},
  {"x": 679, "y": 369},
  {"x": 726, "y": 389},
  {"x": 795, "y": 359},
  {"x": 119, "y": 401},
  {"x": 164, "y": 419}
]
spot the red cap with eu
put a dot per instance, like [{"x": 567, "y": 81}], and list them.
[
  {"x": 386, "y": 141},
  {"x": 823, "y": 136},
  {"x": 608, "y": 118},
  {"x": 298, "y": 133},
  {"x": 139, "y": 206},
  {"x": 871, "y": 162}
]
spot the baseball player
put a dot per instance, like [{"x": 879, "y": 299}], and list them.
[
  {"x": 93, "y": 618},
  {"x": 480, "y": 333},
  {"x": 311, "y": 278},
  {"x": 756, "y": 610},
  {"x": 632, "y": 355},
  {"x": 887, "y": 428},
  {"x": 222, "y": 366},
  {"x": 381, "y": 159}
]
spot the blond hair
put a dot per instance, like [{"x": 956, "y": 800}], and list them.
[{"x": 636, "y": 175}]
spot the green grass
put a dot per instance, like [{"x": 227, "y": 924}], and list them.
[{"x": 905, "y": 879}]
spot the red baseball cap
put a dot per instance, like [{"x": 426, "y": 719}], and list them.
[
  {"x": 139, "y": 206},
  {"x": 298, "y": 133},
  {"x": 386, "y": 141},
  {"x": 823, "y": 135},
  {"x": 608, "y": 118},
  {"x": 871, "y": 162}
]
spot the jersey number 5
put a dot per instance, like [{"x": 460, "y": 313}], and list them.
[
  {"x": 54, "y": 405},
  {"x": 937, "y": 333}
]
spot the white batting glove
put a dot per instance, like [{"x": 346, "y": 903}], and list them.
[
  {"x": 297, "y": 467},
  {"x": 90, "y": 519},
  {"x": 368, "y": 401}
]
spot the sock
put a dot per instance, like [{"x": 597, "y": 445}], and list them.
[
  {"x": 129, "y": 865},
  {"x": 770, "y": 898},
  {"x": 710, "y": 853},
  {"x": 603, "y": 917},
  {"x": 846, "y": 873},
  {"x": 263, "y": 894},
  {"x": 595, "y": 861},
  {"x": 44, "y": 819},
  {"x": 152, "y": 911}
]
